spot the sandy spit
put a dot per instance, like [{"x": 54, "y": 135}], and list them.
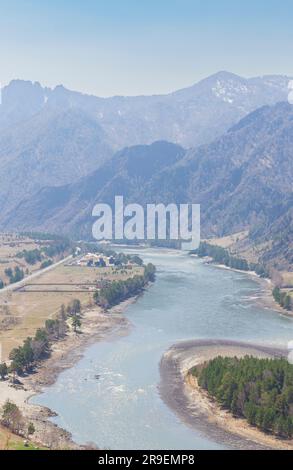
[{"x": 181, "y": 393}]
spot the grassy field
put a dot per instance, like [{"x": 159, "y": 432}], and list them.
[
  {"x": 228, "y": 241},
  {"x": 22, "y": 313},
  {"x": 287, "y": 278},
  {"x": 10, "y": 246}
]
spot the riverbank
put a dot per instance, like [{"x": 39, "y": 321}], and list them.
[
  {"x": 97, "y": 325},
  {"x": 181, "y": 305},
  {"x": 181, "y": 393},
  {"x": 266, "y": 299}
]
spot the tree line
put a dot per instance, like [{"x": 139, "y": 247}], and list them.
[
  {"x": 12, "y": 418},
  {"x": 282, "y": 298},
  {"x": 30, "y": 256},
  {"x": 24, "y": 358},
  {"x": 260, "y": 390},
  {"x": 222, "y": 256},
  {"x": 14, "y": 275},
  {"x": 55, "y": 248},
  {"x": 43, "y": 236},
  {"x": 118, "y": 291}
]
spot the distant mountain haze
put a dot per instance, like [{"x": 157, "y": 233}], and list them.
[
  {"x": 243, "y": 180},
  {"x": 225, "y": 143},
  {"x": 68, "y": 208},
  {"x": 189, "y": 117},
  {"x": 53, "y": 137},
  {"x": 50, "y": 148}
]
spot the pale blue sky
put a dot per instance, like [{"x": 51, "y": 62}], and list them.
[{"x": 109, "y": 47}]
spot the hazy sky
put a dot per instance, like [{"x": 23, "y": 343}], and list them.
[{"x": 109, "y": 47}]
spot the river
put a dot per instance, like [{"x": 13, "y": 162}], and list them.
[{"x": 122, "y": 408}]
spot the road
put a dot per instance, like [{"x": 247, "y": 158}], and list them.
[{"x": 17, "y": 285}]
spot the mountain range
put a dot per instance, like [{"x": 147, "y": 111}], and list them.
[
  {"x": 243, "y": 181},
  {"x": 190, "y": 117},
  {"x": 230, "y": 150}
]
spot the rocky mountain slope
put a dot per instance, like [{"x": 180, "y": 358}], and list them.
[
  {"x": 189, "y": 117},
  {"x": 243, "y": 180},
  {"x": 49, "y": 148},
  {"x": 54, "y": 137},
  {"x": 68, "y": 208}
]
